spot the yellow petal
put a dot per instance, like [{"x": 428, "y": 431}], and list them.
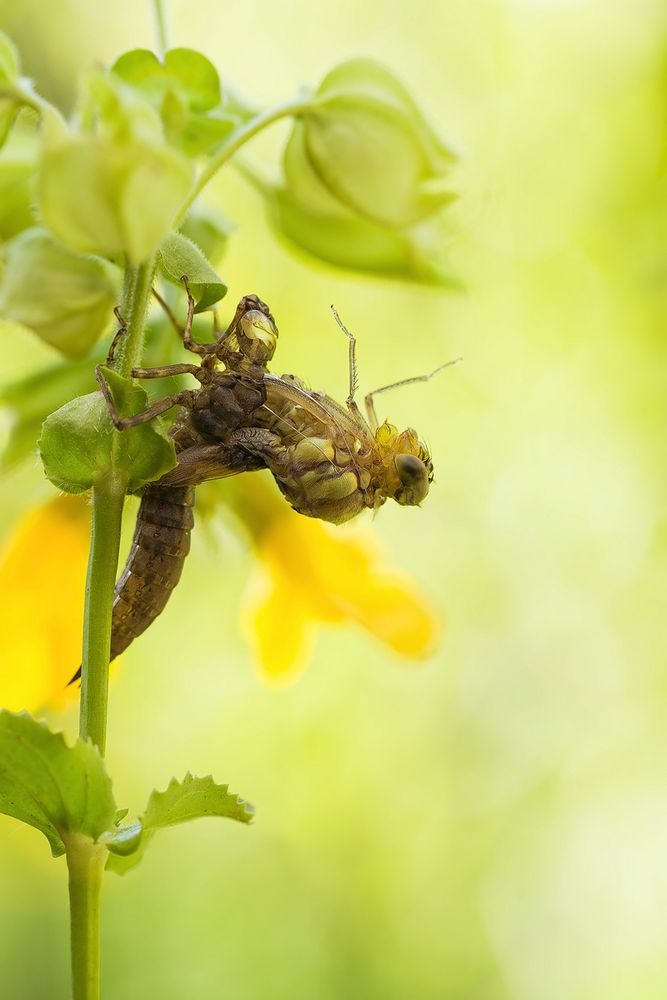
[
  {"x": 277, "y": 627},
  {"x": 42, "y": 579},
  {"x": 339, "y": 575},
  {"x": 392, "y": 610},
  {"x": 298, "y": 551}
]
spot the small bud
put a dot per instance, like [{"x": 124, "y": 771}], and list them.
[
  {"x": 366, "y": 179},
  {"x": 370, "y": 147},
  {"x": 116, "y": 187}
]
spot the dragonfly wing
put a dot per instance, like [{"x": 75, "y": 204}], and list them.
[
  {"x": 203, "y": 462},
  {"x": 318, "y": 405}
]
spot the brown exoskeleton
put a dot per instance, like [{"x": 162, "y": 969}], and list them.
[{"x": 328, "y": 460}]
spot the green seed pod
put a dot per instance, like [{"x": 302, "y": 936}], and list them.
[
  {"x": 116, "y": 187},
  {"x": 371, "y": 149}
]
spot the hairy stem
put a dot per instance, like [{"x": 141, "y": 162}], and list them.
[
  {"x": 236, "y": 140},
  {"x": 137, "y": 286},
  {"x": 108, "y": 497},
  {"x": 85, "y": 861}
]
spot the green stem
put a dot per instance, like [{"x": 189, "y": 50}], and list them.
[
  {"x": 22, "y": 93},
  {"x": 85, "y": 861},
  {"x": 137, "y": 287},
  {"x": 108, "y": 497},
  {"x": 161, "y": 29},
  {"x": 238, "y": 139}
]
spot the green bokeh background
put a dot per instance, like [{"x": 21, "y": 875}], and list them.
[{"x": 489, "y": 825}]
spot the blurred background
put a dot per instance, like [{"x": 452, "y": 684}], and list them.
[{"x": 490, "y": 824}]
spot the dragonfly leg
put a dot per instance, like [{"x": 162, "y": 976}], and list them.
[
  {"x": 370, "y": 412},
  {"x": 122, "y": 423},
  {"x": 164, "y": 371},
  {"x": 120, "y": 332},
  {"x": 188, "y": 342},
  {"x": 185, "y": 332},
  {"x": 370, "y": 408}
]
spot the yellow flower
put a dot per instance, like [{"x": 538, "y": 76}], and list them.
[
  {"x": 42, "y": 579},
  {"x": 312, "y": 574},
  {"x": 309, "y": 574}
]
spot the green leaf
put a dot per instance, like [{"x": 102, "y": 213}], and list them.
[
  {"x": 209, "y": 229},
  {"x": 31, "y": 399},
  {"x": 186, "y": 71},
  {"x": 77, "y": 441},
  {"x": 36, "y": 395},
  {"x": 180, "y": 257},
  {"x": 144, "y": 452},
  {"x": 72, "y": 305},
  {"x": 196, "y": 77},
  {"x": 56, "y": 788},
  {"x": 185, "y": 89},
  {"x": 181, "y": 802},
  {"x": 142, "y": 69}
]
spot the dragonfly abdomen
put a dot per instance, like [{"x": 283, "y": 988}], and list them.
[{"x": 155, "y": 563}]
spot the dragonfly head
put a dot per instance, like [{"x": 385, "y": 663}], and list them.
[
  {"x": 408, "y": 470},
  {"x": 416, "y": 476},
  {"x": 254, "y": 330}
]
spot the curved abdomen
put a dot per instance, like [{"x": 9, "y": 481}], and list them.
[{"x": 155, "y": 563}]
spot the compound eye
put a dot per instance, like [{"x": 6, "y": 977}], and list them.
[{"x": 411, "y": 470}]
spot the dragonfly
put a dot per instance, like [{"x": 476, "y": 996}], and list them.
[{"x": 329, "y": 460}]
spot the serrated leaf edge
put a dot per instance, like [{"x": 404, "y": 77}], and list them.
[{"x": 68, "y": 745}]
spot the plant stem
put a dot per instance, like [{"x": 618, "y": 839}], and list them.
[
  {"x": 161, "y": 28},
  {"x": 137, "y": 286},
  {"x": 108, "y": 497},
  {"x": 85, "y": 861},
  {"x": 237, "y": 139}
]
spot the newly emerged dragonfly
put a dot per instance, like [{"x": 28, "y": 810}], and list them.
[{"x": 329, "y": 461}]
